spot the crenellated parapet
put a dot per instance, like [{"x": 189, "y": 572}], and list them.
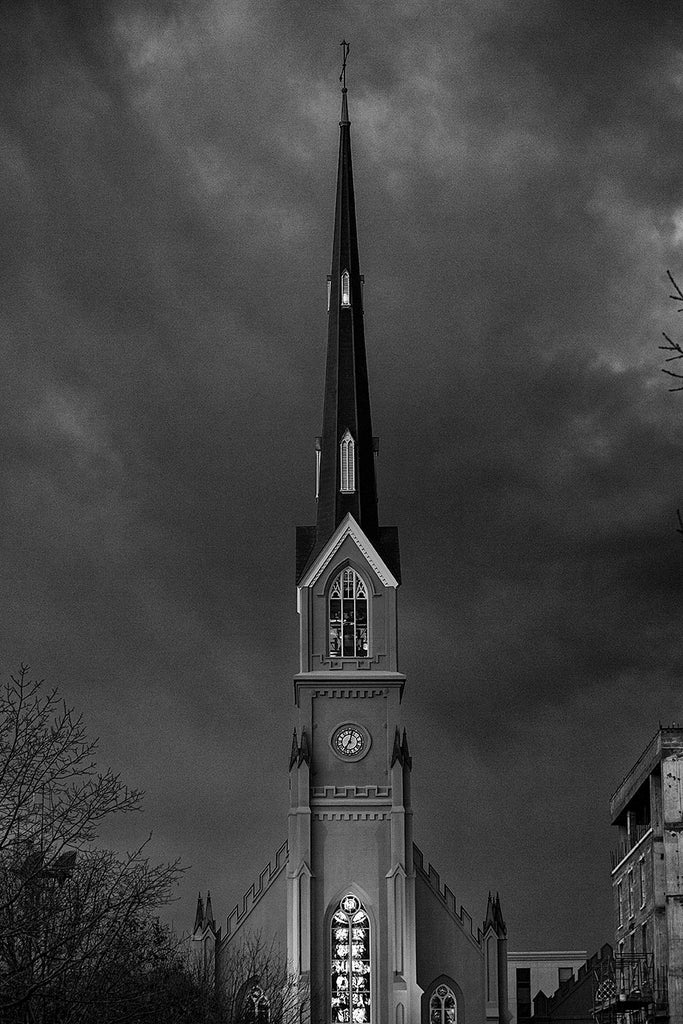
[
  {"x": 257, "y": 890},
  {"x": 446, "y": 897},
  {"x": 382, "y": 793}
]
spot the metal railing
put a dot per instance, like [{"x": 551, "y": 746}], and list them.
[
  {"x": 628, "y": 983},
  {"x": 626, "y": 845}
]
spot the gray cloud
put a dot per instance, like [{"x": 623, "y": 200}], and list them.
[{"x": 167, "y": 173}]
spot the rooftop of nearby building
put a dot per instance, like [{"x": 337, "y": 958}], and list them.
[
  {"x": 667, "y": 740},
  {"x": 547, "y": 955}
]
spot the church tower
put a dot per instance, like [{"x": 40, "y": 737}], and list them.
[
  {"x": 350, "y": 877},
  {"x": 369, "y": 933}
]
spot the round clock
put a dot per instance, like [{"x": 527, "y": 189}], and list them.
[{"x": 350, "y": 742}]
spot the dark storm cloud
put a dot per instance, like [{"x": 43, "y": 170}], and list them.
[{"x": 167, "y": 177}]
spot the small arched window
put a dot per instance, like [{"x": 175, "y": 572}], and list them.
[
  {"x": 348, "y": 616},
  {"x": 347, "y": 464},
  {"x": 350, "y": 967},
  {"x": 345, "y": 289},
  {"x": 257, "y": 1006},
  {"x": 442, "y": 1006}
]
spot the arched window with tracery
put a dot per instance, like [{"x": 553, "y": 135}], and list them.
[
  {"x": 442, "y": 1006},
  {"x": 347, "y": 464},
  {"x": 350, "y": 968},
  {"x": 348, "y": 616},
  {"x": 256, "y": 1006}
]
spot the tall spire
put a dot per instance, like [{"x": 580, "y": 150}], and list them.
[
  {"x": 347, "y": 469},
  {"x": 346, "y": 449}
]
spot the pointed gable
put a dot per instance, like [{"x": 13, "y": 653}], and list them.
[{"x": 349, "y": 528}]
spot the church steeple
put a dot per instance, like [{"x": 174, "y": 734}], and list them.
[
  {"x": 347, "y": 470},
  {"x": 345, "y": 473}
]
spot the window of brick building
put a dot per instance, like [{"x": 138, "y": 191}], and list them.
[{"x": 523, "y": 994}]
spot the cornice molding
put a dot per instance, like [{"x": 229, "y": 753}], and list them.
[
  {"x": 351, "y": 816},
  {"x": 349, "y": 691}
]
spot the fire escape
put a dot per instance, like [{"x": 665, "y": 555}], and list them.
[{"x": 629, "y": 989}]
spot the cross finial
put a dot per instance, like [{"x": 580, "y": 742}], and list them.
[{"x": 345, "y": 52}]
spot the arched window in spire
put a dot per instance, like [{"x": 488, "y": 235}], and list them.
[
  {"x": 348, "y": 616},
  {"x": 442, "y": 1006},
  {"x": 347, "y": 464},
  {"x": 350, "y": 967},
  {"x": 345, "y": 289}
]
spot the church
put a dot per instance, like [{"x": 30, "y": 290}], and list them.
[{"x": 369, "y": 931}]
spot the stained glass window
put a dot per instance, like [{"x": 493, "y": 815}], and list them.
[
  {"x": 257, "y": 1007},
  {"x": 351, "y": 995},
  {"x": 348, "y": 616},
  {"x": 442, "y": 1006},
  {"x": 347, "y": 464}
]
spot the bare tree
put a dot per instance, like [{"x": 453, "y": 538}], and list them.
[
  {"x": 255, "y": 987},
  {"x": 147, "y": 978},
  {"x": 673, "y": 346},
  {"x": 676, "y": 349},
  {"x": 75, "y": 920}
]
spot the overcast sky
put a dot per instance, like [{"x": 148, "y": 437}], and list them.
[{"x": 167, "y": 178}]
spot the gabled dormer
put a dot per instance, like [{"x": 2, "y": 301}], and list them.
[{"x": 347, "y": 605}]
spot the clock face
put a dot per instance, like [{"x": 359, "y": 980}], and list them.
[{"x": 349, "y": 741}]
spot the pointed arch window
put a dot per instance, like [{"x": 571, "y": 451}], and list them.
[
  {"x": 350, "y": 967},
  {"x": 348, "y": 620},
  {"x": 347, "y": 464},
  {"x": 442, "y": 1006},
  {"x": 345, "y": 289},
  {"x": 257, "y": 1007}
]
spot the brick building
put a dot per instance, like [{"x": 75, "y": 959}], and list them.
[
  {"x": 572, "y": 1000},
  {"x": 645, "y": 981},
  {"x": 534, "y": 971}
]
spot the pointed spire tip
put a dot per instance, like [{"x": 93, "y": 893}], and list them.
[
  {"x": 342, "y": 78},
  {"x": 344, "y": 119}
]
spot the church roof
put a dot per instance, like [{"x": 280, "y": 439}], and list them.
[{"x": 346, "y": 407}]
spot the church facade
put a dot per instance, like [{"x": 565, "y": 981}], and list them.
[{"x": 370, "y": 933}]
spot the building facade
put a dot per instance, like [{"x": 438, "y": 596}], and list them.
[
  {"x": 645, "y": 981},
  {"x": 534, "y": 971},
  {"x": 370, "y": 932},
  {"x": 572, "y": 1000}
]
